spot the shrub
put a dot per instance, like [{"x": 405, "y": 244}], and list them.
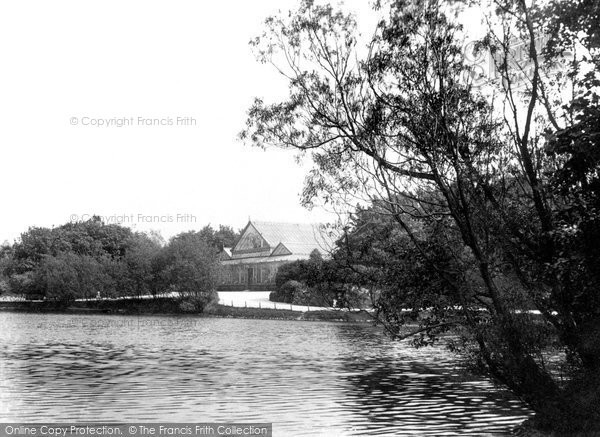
[
  {"x": 287, "y": 291},
  {"x": 198, "y": 302},
  {"x": 187, "y": 306},
  {"x": 22, "y": 284},
  {"x": 293, "y": 271}
]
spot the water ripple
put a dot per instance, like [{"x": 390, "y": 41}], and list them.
[{"x": 307, "y": 378}]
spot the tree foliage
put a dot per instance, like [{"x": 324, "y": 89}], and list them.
[
  {"x": 90, "y": 259},
  {"x": 189, "y": 268},
  {"x": 314, "y": 281},
  {"x": 481, "y": 204}
]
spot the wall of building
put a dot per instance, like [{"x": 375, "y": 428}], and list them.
[{"x": 236, "y": 277}]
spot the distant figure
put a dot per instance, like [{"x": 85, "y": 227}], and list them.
[{"x": 98, "y": 295}]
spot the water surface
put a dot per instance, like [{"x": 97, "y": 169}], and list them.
[{"x": 308, "y": 378}]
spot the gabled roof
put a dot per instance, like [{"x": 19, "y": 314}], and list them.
[
  {"x": 306, "y": 249},
  {"x": 247, "y": 233},
  {"x": 289, "y": 233},
  {"x": 281, "y": 250},
  {"x": 283, "y": 239},
  {"x": 225, "y": 253}
]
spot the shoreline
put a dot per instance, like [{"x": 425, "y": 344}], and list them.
[{"x": 170, "y": 307}]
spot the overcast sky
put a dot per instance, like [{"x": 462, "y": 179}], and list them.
[{"x": 67, "y": 63}]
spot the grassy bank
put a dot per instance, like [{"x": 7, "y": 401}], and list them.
[
  {"x": 279, "y": 314},
  {"x": 171, "y": 306}
]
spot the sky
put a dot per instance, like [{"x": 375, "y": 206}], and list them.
[
  {"x": 130, "y": 110},
  {"x": 70, "y": 65}
]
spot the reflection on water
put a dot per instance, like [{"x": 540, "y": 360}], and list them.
[{"x": 307, "y": 378}]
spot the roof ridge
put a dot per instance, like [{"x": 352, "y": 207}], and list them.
[{"x": 284, "y": 223}]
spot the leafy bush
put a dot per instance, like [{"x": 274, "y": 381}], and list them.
[
  {"x": 199, "y": 302},
  {"x": 292, "y": 271},
  {"x": 287, "y": 292},
  {"x": 322, "y": 283},
  {"x": 22, "y": 284}
]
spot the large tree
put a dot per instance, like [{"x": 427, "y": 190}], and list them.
[
  {"x": 503, "y": 176},
  {"x": 188, "y": 266}
]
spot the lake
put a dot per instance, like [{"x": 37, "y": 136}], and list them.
[{"x": 308, "y": 378}]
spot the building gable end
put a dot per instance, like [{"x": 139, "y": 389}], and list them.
[
  {"x": 281, "y": 250},
  {"x": 250, "y": 240}
]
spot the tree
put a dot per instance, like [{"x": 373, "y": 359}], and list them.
[
  {"x": 378, "y": 256},
  {"x": 91, "y": 248},
  {"x": 69, "y": 276},
  {"x": 82, "y": 260},
  {"x": 188, "y": 266},
  {"x": 5, "y": 257},
  {"x": 224, "y": 237},
  {"x": 139, "y": 277},
  {"x": 469, "y": 185},
  {"x": 317, "y": 282}
]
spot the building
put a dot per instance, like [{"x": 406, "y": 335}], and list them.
[{"x": 252, "y": 263}]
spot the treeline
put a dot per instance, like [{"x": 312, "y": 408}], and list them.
[{"x": 90, "y": 259}]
